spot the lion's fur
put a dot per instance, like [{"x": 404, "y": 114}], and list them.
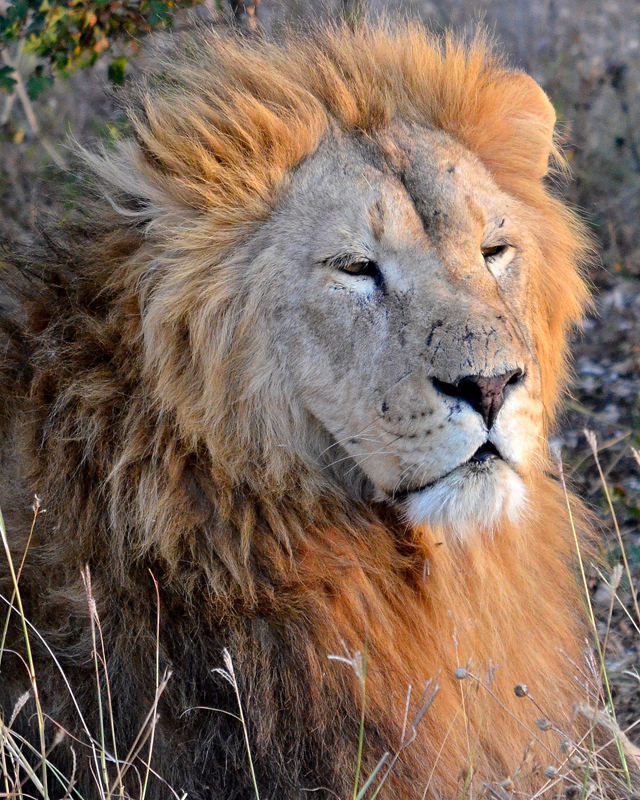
[{"x": 137, "y": 402}]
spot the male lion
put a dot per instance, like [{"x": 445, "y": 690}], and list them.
[{"x": 297, "y": 366}]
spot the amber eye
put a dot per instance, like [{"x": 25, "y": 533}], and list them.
[
  {"x": 489, "y": 253},
  {"x": 367, "y": 268},
  {"x": 364, "y": 269}
]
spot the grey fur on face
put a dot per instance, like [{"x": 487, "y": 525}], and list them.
[{"x": 391, "y": 286}]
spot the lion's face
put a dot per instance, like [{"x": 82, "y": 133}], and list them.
[
  {"x": 352, "y": 270},
  {"x": 400, "y": 315}
]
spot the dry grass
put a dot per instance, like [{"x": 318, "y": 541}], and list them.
[{"x": 27, "y": 769}]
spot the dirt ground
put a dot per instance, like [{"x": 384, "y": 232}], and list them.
[{"x": 586, "y": 54}]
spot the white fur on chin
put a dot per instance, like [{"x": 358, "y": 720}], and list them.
[{"x": 469, "y": 500}]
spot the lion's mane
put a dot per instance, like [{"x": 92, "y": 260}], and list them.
[{"x": 137, "y": 401}]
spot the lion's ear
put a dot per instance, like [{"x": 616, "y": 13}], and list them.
[
  {"x": 536, "y": 106},
  {"x": 514, "y": 128}
]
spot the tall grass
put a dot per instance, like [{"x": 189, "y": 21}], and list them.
[{"x": 27, "y": 769}]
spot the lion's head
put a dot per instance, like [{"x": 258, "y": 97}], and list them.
[{"x": 355, "y": 275}]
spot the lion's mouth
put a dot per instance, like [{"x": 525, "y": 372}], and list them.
[
  {"x": 481, "y": 459},
  {"x": 486, "y": 452}
]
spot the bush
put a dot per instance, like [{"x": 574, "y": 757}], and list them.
[{"x": 73, "y": 33}]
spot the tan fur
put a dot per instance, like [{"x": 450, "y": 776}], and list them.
[{"x": 207, "y": 379}]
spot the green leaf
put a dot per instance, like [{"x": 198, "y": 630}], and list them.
[
  {"x": 117, "y": 71},
  {"x": 160, "y": 12},
  {"x": 38, "y": 82},
  {"x": 7, "y": 81}
]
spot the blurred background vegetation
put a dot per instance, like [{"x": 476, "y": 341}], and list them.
[{"x": 585, "y": 54}]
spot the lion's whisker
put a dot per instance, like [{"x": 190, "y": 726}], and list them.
[
  {"x": 357, "y": 435},
  {"x": 364, "y": 455}
]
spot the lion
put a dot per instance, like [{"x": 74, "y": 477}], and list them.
[{"x": 283, "y": 386}]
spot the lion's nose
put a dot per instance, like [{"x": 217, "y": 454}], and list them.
[{"x": 484, "y": 394}]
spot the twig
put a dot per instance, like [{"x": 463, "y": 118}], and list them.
[
  {"x": 29, "y": 113},
  {"x": 8, "y": 105},
  {"x": 616, "y": 575},
  {"x": 431, "y": 690},
  {"x": 153, "y": 729},
  {"x": 36, "y": 509},
  {"x": 363, "y": 684},
  {"x": 24, "y": 97},
  {"x": 144, "y": 731},
  {"x": 86, "y": 578}
]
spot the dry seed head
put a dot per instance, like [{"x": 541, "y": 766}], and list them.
[
  {"x": 20, "y": 704},
  {"x": 59, "y": 737},
  {"x": 573, "y": 792},
  {"x": 574, "y": 762},
  {"x": 521, "y": 690},
  {"x": 556, "y": 453},
  {"x": 616, "y": 577},
  {"x": 591, "y": 439},
  {"x": 565, "y": 746},
  {"x": 543, "y": 724},
  {"x": 460, "y": 673},
  {"x": 550, "y": 772}
]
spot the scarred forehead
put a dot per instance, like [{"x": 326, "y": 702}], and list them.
[
  {"x": 448, "y": 186},
  {"x": 404, "y": 185}
]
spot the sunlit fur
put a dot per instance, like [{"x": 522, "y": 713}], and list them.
[{"x": 137, "y": 398}]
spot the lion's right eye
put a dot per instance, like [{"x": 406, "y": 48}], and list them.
[
  {"x": 358, "y": 267},
  {"x": 365, "y": 268}
]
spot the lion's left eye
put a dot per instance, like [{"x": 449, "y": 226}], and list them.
[{"x": 490, "y": 253}]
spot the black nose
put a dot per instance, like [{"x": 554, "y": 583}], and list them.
[{"x": 484, "y": 394}]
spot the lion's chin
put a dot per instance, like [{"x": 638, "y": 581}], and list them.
[{"x": 469, "y": 500}]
